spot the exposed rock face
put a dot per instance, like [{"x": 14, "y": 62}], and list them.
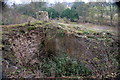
[
  {"x": 42, "y": 15},
  {"x": 30, "y": 47}
]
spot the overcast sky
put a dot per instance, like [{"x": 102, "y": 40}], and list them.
[
  {"x": 26, "y": 1},
  {"x": 50, "y": 1}
]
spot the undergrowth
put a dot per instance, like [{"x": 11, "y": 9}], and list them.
[{"x": 61, "y": 65}]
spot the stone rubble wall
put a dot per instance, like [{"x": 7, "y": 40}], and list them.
[
  {"x": 31, "y": 47},
  {"x": 42, "y": 15}
]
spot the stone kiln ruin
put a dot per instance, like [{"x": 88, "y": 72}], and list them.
[
  {"x": 42, "y": 15},
  {"x": 26, "y": 47}
]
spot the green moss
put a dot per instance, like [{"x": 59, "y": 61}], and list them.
[
  {"x": 85, "y": 32},
  {"x": 62, "y": 25},
  {"x": 31, "y": 28},
  {"x": 80, "y": 32},
  {"x": 25, "y": 24},
  {"x": 14, "y": 29},
  {"x": 46, "y": 24},
  {"x": 35, "y": 23},
  {"x": 1, "y": 45},
  {"x": 19, "y": 25}
]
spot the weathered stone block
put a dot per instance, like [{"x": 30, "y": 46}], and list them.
[{"x": 42, "y": 15}]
